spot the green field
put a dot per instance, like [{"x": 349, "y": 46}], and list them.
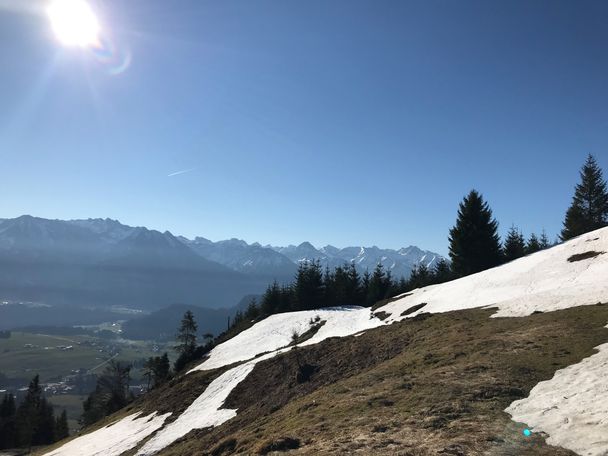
[{"x": 24, "y": 355}]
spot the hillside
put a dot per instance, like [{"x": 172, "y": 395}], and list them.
[{"x": 446, "y": 369}]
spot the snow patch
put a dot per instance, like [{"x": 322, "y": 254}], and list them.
[
  {"x": 572, "y": 407},
  {"x": 204, "y": 412},
  {"x": 113, "y": 439},
  {"x": 275, "y": 332}
]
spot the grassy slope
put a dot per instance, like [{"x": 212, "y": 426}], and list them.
[{"x": 432, "y": 386}]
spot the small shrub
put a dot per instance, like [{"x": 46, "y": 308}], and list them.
[
  {"x": 226, "y": 447},
  {"x": 304, "y": 372},
  {"x": 280, "y": 444}
]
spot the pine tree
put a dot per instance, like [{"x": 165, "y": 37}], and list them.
[
  {"x": 308, "y": 288},
  {"x": 589, "y": 208},
  {"x": 46, "y": 424},
  {"x": 271, "y": 300},
  {"x": 515, "y": 245},
  {"x": 441, "y": 271},
  {"x": 28, "y": 414},
  {"x": 7, "y": 422},
  {"x": 544, "y": 241},
  {"x": 252, "y": 312},
  {"x": 533, "y": 244},
  {"x": 7, "y": 409},
  {"x": 379, "y": 285},
  {"x": 61, "y": 426},
  {"x": 147, "y": 373},
  {"x": 474, "y": 240},
  {"x": 110, "y": 395},
  {"x": 353, "y": 291},
  {"x": 187, "y": 335}
]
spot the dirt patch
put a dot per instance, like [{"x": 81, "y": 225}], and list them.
[
  {"x": 382, "y": 315},
  {"x": 314, "y": 329},
  {"x": 584, "y": 256},
  {"x": 389, "y": 300},
  {"x": 413, "y": 309}
]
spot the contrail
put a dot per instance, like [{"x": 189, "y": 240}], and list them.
[{"x": 183, "y": 171}]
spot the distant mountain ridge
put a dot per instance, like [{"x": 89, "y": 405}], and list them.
[
  {"x": 399, "y": 262},
  {"x": 102, "y": 262}
]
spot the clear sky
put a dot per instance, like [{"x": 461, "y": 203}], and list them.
[{"x": 342, "y": 122}]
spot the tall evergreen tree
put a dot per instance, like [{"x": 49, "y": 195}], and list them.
[
  {"x": 589, "y": 208},
  {"x": 61, "y": 426},
  {"x": 308, "y": 288},
  {"x": 533, "y": 244},
  {"x": 379, "y": 285},
  {"x": 474, "y": 240},
  {"x": 7, "y": 422},
  {"x": 271, "y": 300},
  {"x": 515, "y": 245},
  {"x": 186, "y": 335},
  {"x": 543, "y": 242},
  {"x": 110, "y": 395},
  {"x": 7, "y": 408},
  {"x": 441, "y": 271}
]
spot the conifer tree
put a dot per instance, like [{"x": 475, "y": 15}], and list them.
[
  {"x": 110, "y": 395},
  {"x": 533, "y": 244},
  {"x": 271, "y": 300},
  {"x": 515, "y": 245},
  {"x": 589, "y": 208},
  {"x": 474, "y": 240},
  {"x": 61, "y": 426},
  {"x": 28, "y": 414},
  {"x": 543, "y": 242},
  {"x": 7, "y": 422},
  {"x": 187, "y": 334},
  {"x": 252, "y": 312},
  {"x": 441, "y": 271},
  {"x": 308, "y": 288},
  {"x": 354, "y": 284},
  {"x": 162, "y": 369},
  {"x": 7, "y": 408},
  {"x": 379, "y": 285}
]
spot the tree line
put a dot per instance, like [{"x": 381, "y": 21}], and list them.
[
  {"x": 474, "y": 245},
  {"x": 474, "y": 241},
  {"x": 32, "y": 422}
]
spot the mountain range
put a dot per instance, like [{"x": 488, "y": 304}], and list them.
[{"x": 104, "y": 263}]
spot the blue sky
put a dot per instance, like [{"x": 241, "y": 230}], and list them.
[{"x": 342, "y": 122}]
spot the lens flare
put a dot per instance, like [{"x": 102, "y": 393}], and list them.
[
  {"x": 74, "y": 22},
  {"x": 115, "y": 59}
]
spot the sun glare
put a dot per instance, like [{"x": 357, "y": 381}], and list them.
[{"x": 74, "y": 22}]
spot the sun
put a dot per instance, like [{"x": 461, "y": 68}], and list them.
[{"x": 74, "y": 22}]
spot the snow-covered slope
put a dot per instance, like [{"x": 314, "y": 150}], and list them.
[
  {"x": 572, "y": 407},
  {"x": 543, "y": 282},
  {"x": 114, "y": 439}
]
